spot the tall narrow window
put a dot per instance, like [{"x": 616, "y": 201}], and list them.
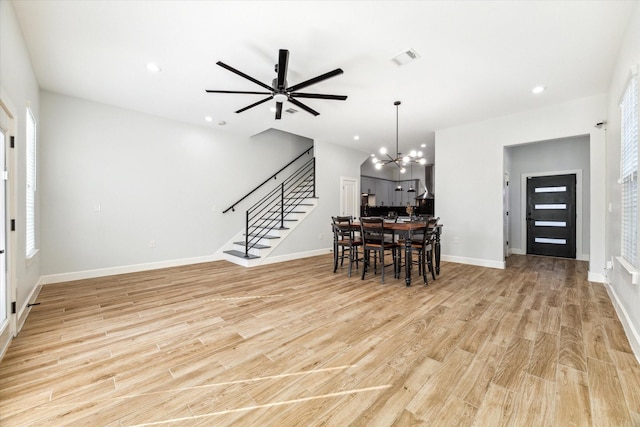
[
  {"x": 629, "y": 172},
  {"x": 31, "y": 184}
]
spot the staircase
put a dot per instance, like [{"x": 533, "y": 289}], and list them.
[{"x": 270, "y": 220}]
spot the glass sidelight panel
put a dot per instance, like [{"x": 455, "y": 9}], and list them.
[
  {"x": 550, "y": 224},
  {"x": 551, "y": 241},
  {"x": 550, "y": 189},
  {"x": 552, "y": 206}
]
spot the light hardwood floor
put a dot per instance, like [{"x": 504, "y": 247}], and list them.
[{"x": 295, "y": 345}]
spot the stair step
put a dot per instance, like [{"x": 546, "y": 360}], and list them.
[
  {"x": 267, "y": 236},
  {"x": 258, "y": 227},
  {"x": 256, "y": 246},
  {"x": 241, "y": 254},
  {"x": 276, "y": 218}
]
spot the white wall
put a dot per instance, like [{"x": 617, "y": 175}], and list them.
[
  {"x": 19, "y": 89},
  {"x": 114, "y": 180},
  {"x": 626, "y": 296},
  {"x": 470, "y": 175},
  {"x": 547, "y": 156}
]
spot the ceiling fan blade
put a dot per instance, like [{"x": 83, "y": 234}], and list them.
[
  {"x": 319, "y": 96},
  {"x": 255, "y": 103},
  {"x": 314, "y": 80},
  {"x": 278, "y": 110},
  {"x": 304, "y": 107},
  {"x": 237, "y": 91},
  {"x": 241, "y": 74},
  {"x": 283, "y": 64}
]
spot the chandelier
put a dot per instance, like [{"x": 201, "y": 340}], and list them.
[{"x": 400, "y": 161}]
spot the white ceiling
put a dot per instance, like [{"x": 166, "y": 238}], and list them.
[{"x": 479, "y": 59}]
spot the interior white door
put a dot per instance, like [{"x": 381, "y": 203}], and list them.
[{"x": 348, "y": 197}]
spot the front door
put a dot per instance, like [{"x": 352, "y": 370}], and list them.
[{"x": 551, "y": 215}]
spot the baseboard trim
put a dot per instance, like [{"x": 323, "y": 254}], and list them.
[
  {"x": 596, "y": 277},
  {"x": 475, "y": 261},
  {"x": 134, "y": 268},
  {"x": 291, "y": 257},
  {"x": 26, "y": 308},
  {"x": 518, "y": 251},
  {"x": 632, "y": 333}
]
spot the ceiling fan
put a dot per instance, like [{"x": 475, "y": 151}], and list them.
[{"x": 279, "y": 89}]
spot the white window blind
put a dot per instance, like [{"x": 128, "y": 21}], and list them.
[
  {"x": 629, "y": 172},
  {"x": 31, "y": 184}
]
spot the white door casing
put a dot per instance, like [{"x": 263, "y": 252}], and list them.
[{"x": 349, "y": 196}]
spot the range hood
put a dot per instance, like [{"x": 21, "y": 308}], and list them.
[{"x": 429, "y": 183}]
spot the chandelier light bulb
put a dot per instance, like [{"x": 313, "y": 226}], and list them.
[
  {"x": 413, "y": 153},
  {"x": 402, "y": 170},
  {"x": 383, "y": 151},
  {"x": 419, "y": 153},
  {"x": 423, "y": 161},
  {"x": 375, "y": 160},
  {"x": 378, "y": 166},
  {"x": 406, "y": 159}
]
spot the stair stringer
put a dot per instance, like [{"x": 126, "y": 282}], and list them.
[{"x": 258, "y": 256}]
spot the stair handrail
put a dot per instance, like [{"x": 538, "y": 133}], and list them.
[
  {"x": 274, "y": 176},
  {"x": 300, "y": 181}
]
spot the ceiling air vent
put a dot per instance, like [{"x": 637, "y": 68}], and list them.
[
  {"x": 291, "y": 110},
  {"x": 405, "y": 57}
]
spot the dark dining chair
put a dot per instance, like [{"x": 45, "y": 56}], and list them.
[
  {"x": 373, "y": 235},
  {"x": 422, "y": 246},
  {"x": 345, "y": 242}
]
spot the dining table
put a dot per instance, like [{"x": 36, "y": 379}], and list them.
[{"x": 406, "y": 230}]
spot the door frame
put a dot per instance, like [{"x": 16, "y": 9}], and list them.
[
  {"x": 580, "y": 256},
  {"x": 11, "y": 329},
  {"x": 506, "y": 221},
  {"x": 356, "y": 194}
]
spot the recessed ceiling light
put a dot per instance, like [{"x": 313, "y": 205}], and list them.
[
  {"x": 272, "y": 109},
  {"x": 209, "y": 118},
  {"x": 538, "y": 89},
  {"x": 356, "y": 137},
  {"x": 153, "y": 67},
  {"x": 423, "y": 145}
]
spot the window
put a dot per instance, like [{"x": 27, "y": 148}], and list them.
[
  {"x": 629, "y": 172},
  {"x": 31, "y": 184}
]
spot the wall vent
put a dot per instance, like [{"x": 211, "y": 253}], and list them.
[
  {"x": 291, "y": 110},
  {"x": 405, "y": 57}
]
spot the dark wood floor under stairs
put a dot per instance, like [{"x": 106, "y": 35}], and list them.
[{"x": 293, "y": 344}]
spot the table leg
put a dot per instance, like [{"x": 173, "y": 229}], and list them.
[{"x": 407, "y": 259}]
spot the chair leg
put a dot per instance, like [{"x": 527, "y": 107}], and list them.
[
  {"x": 335, "y": 257},
  {"x": 423, "y": 267},
  {"x": 365, "y": 262},
  {"x": 382, "y": 265},
  {"x": 430, "y": 263}
]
